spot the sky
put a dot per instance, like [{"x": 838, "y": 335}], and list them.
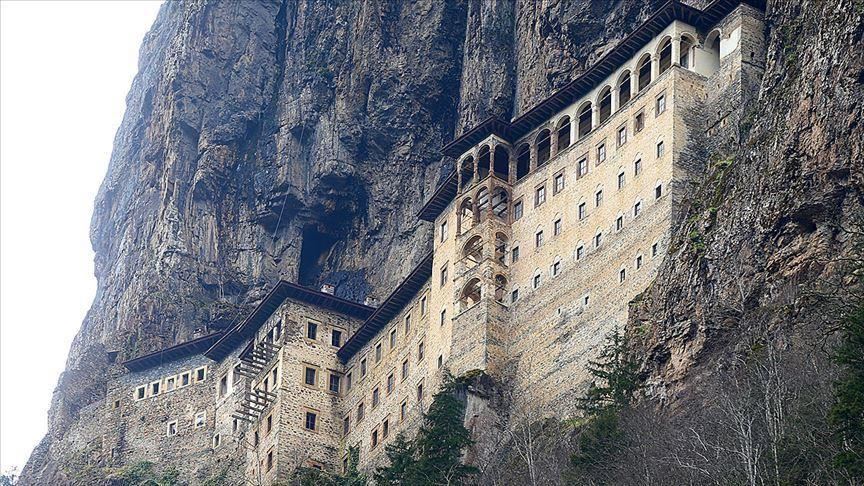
[{"x": 65, "y": 70}]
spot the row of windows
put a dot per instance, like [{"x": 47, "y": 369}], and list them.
[
  {"x": 336, "y": 335},
  {"x": 199, "y": 421},
  {"x": 170, "y": 383}
]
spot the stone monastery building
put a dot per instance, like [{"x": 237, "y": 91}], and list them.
[{"x": 551, "y": 224}]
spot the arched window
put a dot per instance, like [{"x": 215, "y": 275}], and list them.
[
  {"x": 712, "y": 49},
  {"x": 500, "y": 288},
  {"x": 623, "y": 89},
  {"x": 543, "y": 147},
  {"x": 687, "y": 44},
  {"x": 483, "y": 162},
  {"x": 472, "y": 252},
  {"x": 501, "y": 203},
  {"x": 501, "y": 165},
  {"x": 501, "y": 248},
  {"x": 584, "y": 127},
  {"x": 643, "y": 69},
  {"x": 471, "y": 294},
  {"x": 563, "y": 133},
  {"x": 466, "y": 215},
  {"x": 482, "y": 201},
  {"x": 467, "y": 171},
  {"x": 523, "y": 161},
  {"x": 665, "y": 55},
  {"x": 605, "y": 103}
]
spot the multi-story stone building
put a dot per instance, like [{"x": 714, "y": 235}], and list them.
[{"x": 549, "y": 226}]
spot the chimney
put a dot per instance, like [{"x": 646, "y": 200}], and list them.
[
  {"x": 370, "y": 302},
  {"x": 328, "y": 289}
]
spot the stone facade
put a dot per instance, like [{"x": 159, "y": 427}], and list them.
[{"x": 536, "y": 258}]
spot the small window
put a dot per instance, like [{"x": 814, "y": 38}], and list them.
[
  {"x": 654, "y": 250},
  {"x": 361, "y": 411},
  {"x": 556, "y": 269},
  {"x": 223, "y": 386},
  {"x": 619, "y": 223},
  {"x": 375, "y": 438},
  {"x": 639, "y": 122},
  {"x": 420, "y": 390},
  {"x": 598, "y": 240},
  {"x": 556, "y": 227},
  {"x": 217, "y": 439},
  {"x": 440, "y": 361},
  {"x": 539, "y": 196},
  {"x": 621, "y": 181},
  {"x": 423, "y": 306},
  {"x": 403, "y": 411},
  {"x": 393, "y": 338},
  {"x": 517, "y": 210},
  {"x": 443, "y": 231},
  {"x": 172, "y": 428},
  {"x": 391, "y": 383},
  {"x": 256, "y": 439},
  {"x": 598, "y": 198},
  {"x": 637, "y": 167},
  {"x": 200, "y": 419},
  {"x": 311, "y": 376},
  {"x": 582, "y": 167},
  {"x": 349, "y": 380},
  {"x": 559, "y": 183},
  {"x": 658, "y": 191},
  {"x": 140, "y": 392},
  {"x": 638, "y": 262},
  {"x": 311, "y": 421},
  {"x": 514, "y": 295},
  {"x": 583, "y": 211},
  {"x": 661, "y": 149},
  {"x": 420, "y": 349},
  {"x": 346, "y": 425},
  {"x": 622, "y": 135},
  {"x": 185, "y": 379},
  {"x": 661, "y": 104},
  {"x": 407, "y": 324},
  {"x": 622, "y": 275},
  {"x": 268, "y": 425},
  {"x": 336, "y": 338},
  {"x": 235, "y": 424},
  {"x": 154, "y": 388},
  {"x": 601, "y": 153},
  {"x": 335, "y": 383},
  {"x": 514, "y": 254},
  {"x": 585, "y": 300},
  {"x": 170, "y": 384},
  {"x": 378, "y": 353},
  {"x": 311, "y": 330},
  {"x": 537, "y": 280},
  {"x": 269, "y": 460},
  {"x": 385, "y": 428},
  {"x": 580, "y": 252},
  {"x": 443, "y": 317},
  {"x": 637, "y": 208},
  {"x": 405, "y": 369},
  {"x": 538, "y": 239},
  {"x": 443, "y": 275}
]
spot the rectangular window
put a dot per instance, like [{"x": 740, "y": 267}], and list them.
[
  {"x": 346, "y": 425},
  {"x": 622, "y": 275},
  {"x": 514, "y": 255},
  {"x": 311, "y": 376},
  {"x": 361, "y": 411},
  {"x": 423, "y": 306},
  {"x": 517, "y": 210},
  {"x": 661, "y": 104},
  {"x": 376, "y": 397},
  {"x": 619, "y": 223},
  {"x": 274, "y": 374},
  {"x": 598, "y": 240},
  {"x": 172, "y": 428},
  {"x": 539, "y": 196},
  {"x": 170, "y": 383},
  {"x": 621, "y": 181},
  {"x": 556, "y": 269},
  {"x": 393, "y": 338},
  {"x": 269, "y": 460},
  {"x": 375, "y": 438},
  {"x": 559, "y": 183},
  {"x": 637, "y": 208},
  {"x": 391, "y": 383},
  {"x": 658, "y": 191},
  {"x": 443, "y": 231},
  {"x": 538, "y": 239},
  {"x": 580, "y": 252},
  {"x": 585, "y": 300},
  {"x": 601, "y": 153},
  {"x": 444, "y": 275},
  {"x": 223, "y": 386},
  {"x": 201, "y": 374},
  {"x": 311, "y": 420},
  {"x": 217, "y": 439},
  {"x": 440, "y": 361},
  {"x": 639, "y": 123},
  {"x": 638, "y": 262},
  {"x": 405, "y": 369},
  {"x": 185, "y": 378},
  {"x": 420, "y": 349},
  {"x": 654, "y": 250},
  {"x": 598, "y": 198},
  {"x": 378, "y": 353},
  {"x": 154, "y": 388},
  {"x": 443, "y": 317},
  {"x": 583, "y": 211},
  {"x": 420, "y": 390},
  {"x": 311, "y": 330},
  {"x": 200, "y": 419},
  {"x": 556, "y": 227},
  {"x": 536, "y": 281},
  {"x": 140, "y": 392},
  {"x": 407, "y": 324},
  {"x": 661, "y": 149},
  {"x": 637, "y": 167},
  {"x": 336, "y": 338},
  {"x": 385, "y": 428},
  {"x": 582, "y": 167},
  {"x": 335, "y": 383},
  {"x": 514, "y": 295},
  {"x": 622, "y": 135},
  {"x": 349, "y": 380},
  {"x": 403, "y": 411}
]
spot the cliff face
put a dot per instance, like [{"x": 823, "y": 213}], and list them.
[{"x": 298, "y": 140}]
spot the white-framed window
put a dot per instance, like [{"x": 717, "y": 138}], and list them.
[
  {"x": 200, "y": 374},
  {"x": 140, "y": 393},
  {"x": 185, "y": 379},
  {"x": 170, "y": 383},
  {"x": 660, "y": 104},
  {"x": 155, "y": 388},
  {"x": 171, "y": 429},
  {"x": 311, "y": 421},
  {"x": 200, "y": 419},
  {"x": 311, "y": 330},
  {"x": 622, "y": 135}
]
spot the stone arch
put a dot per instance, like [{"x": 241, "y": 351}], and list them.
[
  {"x": 481, "y": 201},
  {"x": 563, "y": 133},
  {"x": 664, "y": 54},
  {"x": 484, "y": 157},
  {"x": 501, "y": 203},
  {"x": 643, "y": 71},
  {"x": 623, "y": 86},
  {"x": 544, "y": 146},
  {"x": 604, "y": 103},
  {"x": 467, "y": 167},
  {"x": 523, "y": 160},
  {"x": 501, "y": 162},
  {"x": 466, "y": 215},
  {"x": 685, "y": 55},
  {"x": 584, "y": 127},
  {"x": 500, "y": 288},
  {"x": 712, "y": 51},
  {"x": 471, "y": 294},
  {"x": 472, "y": 251}
]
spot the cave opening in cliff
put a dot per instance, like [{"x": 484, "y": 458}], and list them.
[{"x": 313, "y": 255}]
